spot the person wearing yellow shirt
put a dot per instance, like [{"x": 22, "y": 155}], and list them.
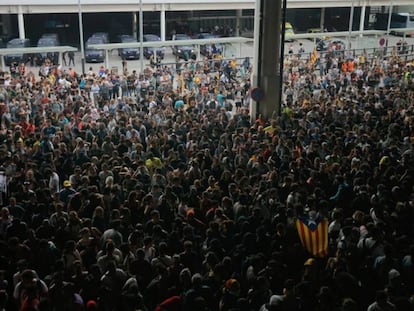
[
  {"x": 197, "y": 80},
  {"x": 153, "y": 163},
  {"x": 272, "y": 128},
  {"x": 288, "y": 111}
]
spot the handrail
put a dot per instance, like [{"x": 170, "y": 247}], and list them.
[{"x": 405, "y": 51}]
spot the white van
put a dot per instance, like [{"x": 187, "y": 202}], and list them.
[{"x": 403, "y": 21}]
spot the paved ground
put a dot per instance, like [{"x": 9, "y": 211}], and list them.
[{"x": 238, "y": 50}]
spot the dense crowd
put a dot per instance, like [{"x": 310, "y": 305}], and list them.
[{"x": 155, "y": 190}]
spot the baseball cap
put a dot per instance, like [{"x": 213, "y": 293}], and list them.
[{"x": 66, "y": 183}]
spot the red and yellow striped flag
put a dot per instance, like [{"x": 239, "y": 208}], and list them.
[
  {"x": 314, "y": 57},
  {"x": 314, "y": 235}
]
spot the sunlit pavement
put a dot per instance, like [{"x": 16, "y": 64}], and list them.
[{"x": 235, "y": 51}]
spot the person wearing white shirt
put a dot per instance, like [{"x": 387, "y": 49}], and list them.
[
  {"x": 53, "y": 181},
  {"x": 95, "y": 88},
  {"x": 152, "y": 103}
]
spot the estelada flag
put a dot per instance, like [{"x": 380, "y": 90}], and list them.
[
  {"x": 313, "y": 235},
  {"x": 314, "y": 57}
]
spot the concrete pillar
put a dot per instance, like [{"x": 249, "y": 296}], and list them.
[
  {"x": 322, "y": 20},
  {"x": 362, "y": 18},
  {"x": 162, "y": 23},
  {"x": 270, "y": 58},
  {"x": 238, "y": 17},
  {"x": 351, "y": 23},
  {"x": 390, "y": 9},
  {"x": 198, "y": 52},
  {"x": 107, "y": 59},
  {"x": 253, "y": 105},
  {"x": 20, "y": 21},
  {"x": 134, "y": 25}
]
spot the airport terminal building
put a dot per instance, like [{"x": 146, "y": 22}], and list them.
[{"x": 32, "y": 18}]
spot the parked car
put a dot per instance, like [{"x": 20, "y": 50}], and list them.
[
  {"x": 103, "y": 35},
  {"x": 54, "y": 36},
  {"x": 210, "y": 49},
  {"x": 148, "y": 51},
  {"x": 324, "y": 44},
  {"x": 46, "y": 41},
  {"x": 128, "y": 53},
  {"x": 17, "y": 58},
  {"x": 93, "y": 55},
  {"x": 185, "y": 52}
]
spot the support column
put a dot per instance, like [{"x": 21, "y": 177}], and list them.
[
  {"x": 351, "y": 22},
  {"x": 390, "y": 8},
  {"x": 107, "y": 59},
  {"x": 238, "y": 17},
  {"x": 141, "y": 37},
  {"x": 253, "y": 105},
  {"x": 20, "y": 21},
  {"x": 362, "y": 18},
  {"x": 134, "y": 25},
  {"x": 162, "y": 23},
  {"x": 322, "y": 20},
  {"x": 270, "y": 58}
]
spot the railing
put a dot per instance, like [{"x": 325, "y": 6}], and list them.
[{"x": 403, "y": 52}]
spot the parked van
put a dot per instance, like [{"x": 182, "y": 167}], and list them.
[
  {"x": 47, "y": 40},
  {"x": 149, "y": 51},
  {"x": 128, "y": 53},
  {"x": 93, "y": 55},
  {"x": 403, "y": 21},
  {"x": 17, "y": 58}
]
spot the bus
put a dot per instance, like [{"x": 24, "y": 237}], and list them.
[
  {"x": 398, "y": 20},
  {"x": 402, "y": 20}
]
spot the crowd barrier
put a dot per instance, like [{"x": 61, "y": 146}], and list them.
[{"x": 403, "y": 52}]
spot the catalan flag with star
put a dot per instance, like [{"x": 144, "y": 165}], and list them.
[
  {"x": 313, "y": 234},
  {"x": 314, "y": 57}
]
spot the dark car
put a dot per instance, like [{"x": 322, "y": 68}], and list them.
[
  {"x": 210, "y": 49},
  {"x": 324, "y": 45},
  {"x": 103, "y": 35},
  {"x": 128, "y": 53},
  {"x": 47, "y": 41},
  {"x": 17, "y": 58},
  {"x": 93, "y": 55},
  {"x": 185, "y": 52},
  {"x": 148, "y": 51}
]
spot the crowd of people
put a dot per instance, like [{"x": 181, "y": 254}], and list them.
[{"x": 158, "y": 190}]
